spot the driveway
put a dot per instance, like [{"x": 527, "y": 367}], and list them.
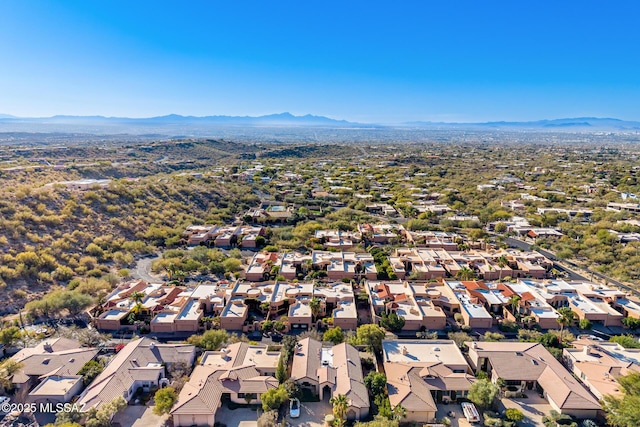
[
  {"x": 533, "y": 407},
  {"x": 457, "y": 420},
  {"x": 311, "y": 414},
  {"x": 240, "y": 417},
  {"x": 139, "y": 416}
]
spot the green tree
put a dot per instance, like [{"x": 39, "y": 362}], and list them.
[
  {"x": 483, "y": 393},
  {"x": 210, "y": 340},
  {"x": 7, "y": 369},
  {"x": 399, "y": 412},
  {"x": 376, "y": 382},
  {"x": 90, "y": 370},
  {"x": 627, "y": 341},
  {"x": 555, "y": 419},
  {"x": 514, "y": 414},
  {"x": 102, "y": 417},
  {"x": 232, "y": 265},
  {"x": 460, "y": 338},
  {"x": 9, "y": 335},
  {"x": 624, "y": 411},
  {"x": 272, "y": 399},
  {"x": 392, "y": 322},
  {"x": 631, "y": 323},
  {"x": 585, "y": 324},
  {"x": 334, "y": 335},
  {"x": 165, "y": 398},
  {"x": 315, "y": 305},
  {"x": 514, "y": 302},
  {"x": 465, "y": 273},
  {"x": 340, "y": 405},
  {"x": 493, "y": 336},
  {"x": 566, "y": 318},
  {"x": 371, "y": 336},
  {"x": 281, "y": 370}
]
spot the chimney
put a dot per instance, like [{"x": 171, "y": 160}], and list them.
[{"x": 404, "y": 351}]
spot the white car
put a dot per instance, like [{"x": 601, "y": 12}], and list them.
[{"x": 294, "y": 408}]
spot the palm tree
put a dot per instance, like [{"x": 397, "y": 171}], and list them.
[
  {"x": 502, "y": 263},
  {"x": 137, "y": 298},
  {"x": 340, "y": 406},
  {"x": 566, "y": 318},
  {"x": 514, "y": 302},
  {"x": 465, "y": 273},
  {"x": 315, "y": 304},
  {"x": 399, "y": 412}
]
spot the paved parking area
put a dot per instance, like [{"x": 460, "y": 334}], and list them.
[
  {"x": 139, "y": 416},
  {"x": 457, "y": 420},
  {"x": 311, "y": 414},
  {"x": 240, "y": 417},
  {"x": 533, "y": 407}
]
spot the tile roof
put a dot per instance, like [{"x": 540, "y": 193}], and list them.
[
  {"x": 532, "y": 362},
  {"x": 139, "y": 360},
  {"x": 202, "y": 394},
  {"x": 62, "y": 356}
]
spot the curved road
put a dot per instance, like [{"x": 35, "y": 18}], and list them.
[{"x": 142, "y": 269}]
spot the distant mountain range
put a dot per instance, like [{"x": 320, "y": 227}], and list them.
[
  {"x": 287, "y": 119},
  {"x": 174, "y": 124},
  {"x": 578, "y": 123}
]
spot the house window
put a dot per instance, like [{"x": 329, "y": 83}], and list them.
[{"x": 240, "y": 395}]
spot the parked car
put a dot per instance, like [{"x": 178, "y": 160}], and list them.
[{"x": 294, "y": 408}]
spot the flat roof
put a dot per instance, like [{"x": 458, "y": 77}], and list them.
[
  {"x": 165, "y": 317},
  {"x": 475, "y": 311},
  {"x": 56, "y": 386},
  {"x": 191, "y": 311},
  {"x": 114, "y": 314},
  {"x": 233, "y": 309},
  {"x": 261, "y": 357},
  {"x": 300, "y": 310},
  {"x": 345, "y": 310},
  {"x": 423, "y": 351}
]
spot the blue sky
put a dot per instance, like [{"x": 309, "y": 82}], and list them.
[{"x": 367, "y": 61}]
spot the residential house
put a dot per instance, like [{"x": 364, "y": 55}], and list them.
[
  {"x": 241, "y": 373},
  {"x": 415, "y": 302},
  {"x": 331, "y": 371},
  {"x": 141, "y": 364},
  {"x": 337, "y": 239},
  {"x": 345, "y": 265},
  {"x": 59, "y": 358},
  {"x": 472, "y": 303},
  {"x": 119, "y": 303},
  {"x": 599, "y": 364},
  {"x": 382, "y": 233},
  {"x": 529, "y": 366},
  {"x": 422, "y": 373}
]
